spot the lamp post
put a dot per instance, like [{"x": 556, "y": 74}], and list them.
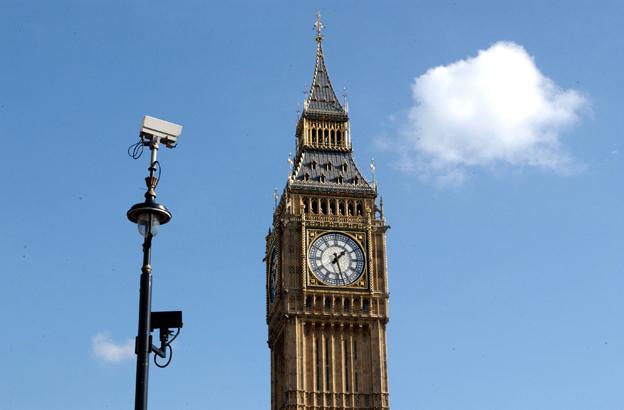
[{"x": 149, "y": 215}]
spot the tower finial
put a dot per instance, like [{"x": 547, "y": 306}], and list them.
[
  {"x": 373, "y": 168},
  {"x": 318, "y": 27}
]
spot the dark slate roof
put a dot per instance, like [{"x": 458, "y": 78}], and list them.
[
  {"x": 322, "y": 98},
  {"x": 314, "y": 164}
]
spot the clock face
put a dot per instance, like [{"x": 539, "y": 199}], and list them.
[
  {"x": 336, "y": 259},
  {"x": 273, "y": 275}
]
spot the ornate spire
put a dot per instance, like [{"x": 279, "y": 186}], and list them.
[{"x": 322, "y": 100}]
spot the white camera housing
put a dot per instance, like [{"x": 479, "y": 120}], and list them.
[{"x": 166, "y": 132}]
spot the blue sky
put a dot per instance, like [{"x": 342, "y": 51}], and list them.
[{"x": 506, "y": 282}]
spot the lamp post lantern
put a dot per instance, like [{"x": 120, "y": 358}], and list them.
[{"x": 149, "y": 215}]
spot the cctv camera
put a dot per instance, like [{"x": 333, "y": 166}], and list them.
[
  {"x": 166, "y": 320},
  {"x": 165, "y": 132}
]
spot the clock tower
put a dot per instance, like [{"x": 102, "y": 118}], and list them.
[{"x": 327, "y": 290}]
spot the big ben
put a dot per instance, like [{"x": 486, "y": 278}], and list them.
[{"x": 326, "y": 271}]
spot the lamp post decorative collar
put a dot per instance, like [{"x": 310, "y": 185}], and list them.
[{"x": 150, "y": 206}]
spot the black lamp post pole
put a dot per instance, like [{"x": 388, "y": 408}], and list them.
[
  {"x": 143, "y": 345},
  {"x": 143, "y": 342}
]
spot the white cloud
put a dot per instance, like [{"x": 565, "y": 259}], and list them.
[
  {"x": 105, "y": 349},
  {"x": 493, "y": 109}
]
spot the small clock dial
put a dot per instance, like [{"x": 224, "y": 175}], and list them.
[
  {"x": 336, "y": 259},
  {"x": 273, "y": 261}
]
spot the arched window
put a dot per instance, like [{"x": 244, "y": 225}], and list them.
[
  {"x": 339, "y": 180},
  {"x": 323, "y": 206},
  {"x": 356, "y": 180},
  {"x": 333, "y": 136},
  {"x": 329, "y": 165},
  {"x": 341, "y": 208},
  {"x": 322, "y": 178},
  {"x": 315, "y": 206},
  {"x": 332, "y": 206},
  {"x": 313, "y": 135},
  {"x": 338, "y": 138},
  {"x": 350, "y": 209},
  {"x": 313, "y": 164},
  {"x": 326, "y": 134},
  {"x": 359, "y": 209},
  {"x": 306, "y": 177}
]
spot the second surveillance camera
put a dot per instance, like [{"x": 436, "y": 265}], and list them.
[
  {"x": 171, "y": 319},
  {"x": 166, "y": 132}
]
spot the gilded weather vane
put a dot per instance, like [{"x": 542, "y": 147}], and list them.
[{"x": 318, "y": 27}]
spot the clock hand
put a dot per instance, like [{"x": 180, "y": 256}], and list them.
[
  {"x": 340, "y": 272},
  {"x": 336, "y": 257},
  {"x": 335, "y": 261}
]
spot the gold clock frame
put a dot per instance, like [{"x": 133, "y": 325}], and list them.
[{"x": 360, "y": 237}]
